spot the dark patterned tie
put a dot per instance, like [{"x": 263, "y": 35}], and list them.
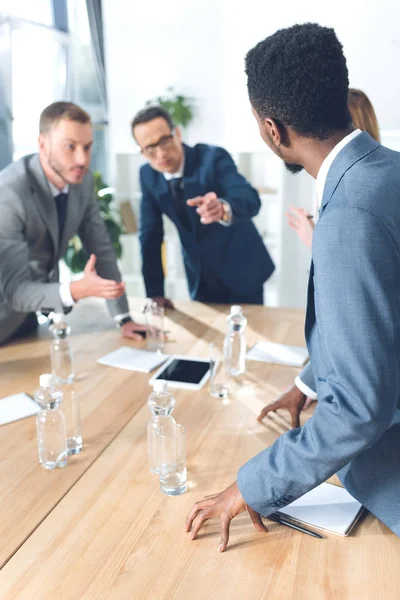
[
  {"x": 178, "y": 201},
  {"x": 61, "y": 205}
]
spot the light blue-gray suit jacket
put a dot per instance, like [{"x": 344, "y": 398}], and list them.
[{"x": 353, "y": 338}]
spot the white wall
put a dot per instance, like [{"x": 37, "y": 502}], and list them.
[
  {"x": 199, "y": 47},
  {"x": 152, "y": 45},
  {"x": 369, "y": 31}
]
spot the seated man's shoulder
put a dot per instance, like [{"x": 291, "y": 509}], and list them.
[
  {"x": 12, "y": 172},
  {"x": 13, "y": 178}
]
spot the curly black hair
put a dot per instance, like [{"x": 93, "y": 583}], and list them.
[{"x": 298, "y": 76}]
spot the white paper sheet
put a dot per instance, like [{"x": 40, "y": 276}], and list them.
[
  {"x": 327, "y": 507},
  {"x": 292, "y": 356},
  {"x": 133, "y": 359},
  {"x": 18, "y": 406}
]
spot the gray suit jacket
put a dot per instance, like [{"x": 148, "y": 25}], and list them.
[
  {"x": 29, "y": 243},
  {"x": 353, "y": 338}
]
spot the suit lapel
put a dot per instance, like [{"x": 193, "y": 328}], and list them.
[
  {"x": 354, "y": 151},
  {"x": 164, "y": 194},
  {"x": 191, "y": 187},
  {"x": 43, "y": 198}
]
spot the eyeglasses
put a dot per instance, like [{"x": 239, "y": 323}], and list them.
[{"x": 164, "y": 142}]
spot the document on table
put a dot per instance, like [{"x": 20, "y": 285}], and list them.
[
  {"x": 132, "y": 359},
  {"x": 292, "y": 356},
  {"x": 326, "y": 507},
  {"x": 17, "y": 406}
]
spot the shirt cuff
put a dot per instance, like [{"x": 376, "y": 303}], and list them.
[
  {"x": 305, "y": 389},
  {"x": 65, "y": 295},
  {"x": 228, "y": 213},
  {"x": 119, "y": 318}
]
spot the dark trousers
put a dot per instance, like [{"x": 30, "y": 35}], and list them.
[
  {"x": 27, "y": 326},
  {"x": 219, "y": 294}
]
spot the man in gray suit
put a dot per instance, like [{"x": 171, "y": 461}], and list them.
[
  {"x": 45, "y": 199},
  {"x": 298, "y": 86}
]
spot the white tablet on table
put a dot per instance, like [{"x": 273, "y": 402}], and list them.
[{"x": 186, "y": 372}]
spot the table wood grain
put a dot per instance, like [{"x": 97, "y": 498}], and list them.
[{"x": 101, "y": 528}]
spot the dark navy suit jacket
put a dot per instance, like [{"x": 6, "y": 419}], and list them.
[{"x": 234, "y": 256}]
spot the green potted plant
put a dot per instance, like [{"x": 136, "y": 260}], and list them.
[
  {"x": 180, "y": 107},
  {"x": 76, "y": 256}
]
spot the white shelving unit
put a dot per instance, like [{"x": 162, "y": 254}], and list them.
[
  {"x": 263, "y": 171},
  {"x": 278, "y": 190}
]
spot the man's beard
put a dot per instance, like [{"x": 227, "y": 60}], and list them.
[
  {"x": 55, "y": 166},
  {"x": 61, "y": 171},
  {"x": 293, "y": 168}
]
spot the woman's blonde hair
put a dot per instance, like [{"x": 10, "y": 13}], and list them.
[{"x": 362, "y": 113}]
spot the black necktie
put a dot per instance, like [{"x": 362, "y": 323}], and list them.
[
  {"x": 176, "y": 187},
  {"x": 61, "y": 205}
]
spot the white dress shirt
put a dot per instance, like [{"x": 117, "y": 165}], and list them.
[
  {"x": 327, "y": 163},
  {"x": 320, "y": 185},
  {"x": 178, "y": 174}
]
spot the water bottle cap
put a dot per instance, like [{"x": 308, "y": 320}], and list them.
[
  {"x": 236, "y": 310},
  {"x": 58, "y": 318},
  {"x": 46, "y": 380},
  {"x": 160, "y": 386},
  {"x": 149, "y": 304}
]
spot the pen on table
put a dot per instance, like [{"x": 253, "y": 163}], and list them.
[{"x": 278, "y": 519}]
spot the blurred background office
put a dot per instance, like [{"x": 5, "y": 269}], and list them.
[
  {"x": 49, "y": 50},
  {"x": 111, "y": 57}
]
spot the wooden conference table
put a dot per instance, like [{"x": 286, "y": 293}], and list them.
[{"x": 101, "y": 528}]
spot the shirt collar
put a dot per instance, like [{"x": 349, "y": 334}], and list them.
[
  {"x": 327, "y": 163},
  {"x": 178, "y": 174},
  {"x": 55, "y": 191}
]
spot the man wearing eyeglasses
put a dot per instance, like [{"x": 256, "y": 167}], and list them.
[{"x": 210, "y": 203}]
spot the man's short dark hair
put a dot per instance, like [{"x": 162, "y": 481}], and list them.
[
  {"x": 150, "y": 113},
  {"x": 298, "y": 76},
  {"x": 53, "y": 113}
]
